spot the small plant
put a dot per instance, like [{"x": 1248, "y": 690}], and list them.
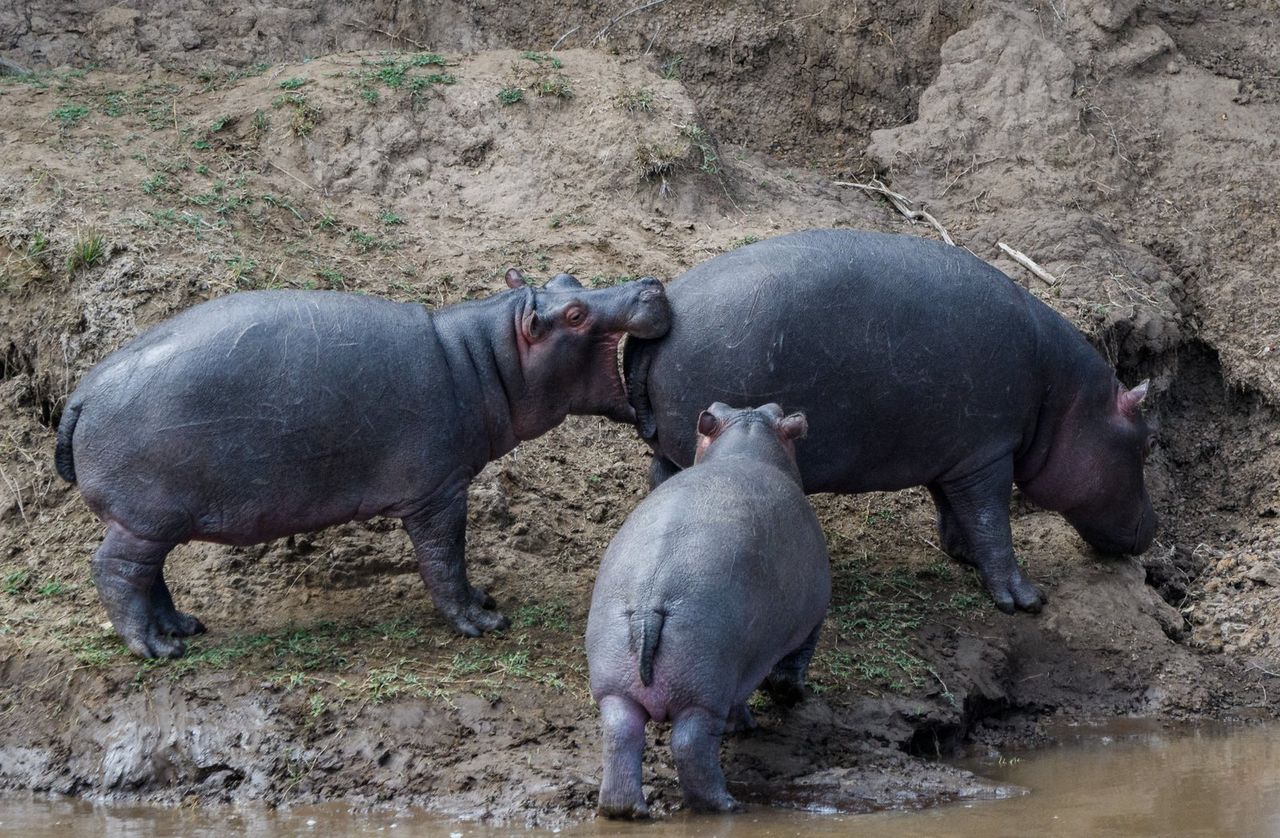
[
  {"x": 260, "y": 121},
  {"x": 424, "y": 59},
  {"x": 744, "y": 241},
  {"x": 541, "y": 58},
  {"x": 220, "y": 123},
  {"x": 510, "y": 95},
  {"x": 657, "y": 160},
  {"x": 335, "y": 280},
  {"x": 701, "y": 140},
  {"x": 87, "y": 251},
  {"x": 53, "y": 588},
  {"x": 558, "y": 86},
  {"x": 326, "y": 222},
  {"x": 389, "y": 218},
  {"x": 293, "y": 84},
  {"x": 671, "y": 68},
  {"x": 156, "y": 183},
  {"x": 370, "y": 95},
  {"x": 15, "y": 581},
  {"x": 364, "y": 241},
  {"x": 636, "y": 100},
  {"x": 68, "y": 115},
  {"x": 36, "y": 245},
  {"x": 305, "y": 115}
]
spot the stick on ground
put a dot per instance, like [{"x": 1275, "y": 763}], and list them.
[
  {"x": 901, "y": 203},
  {"x": 1027, "y": 262}
]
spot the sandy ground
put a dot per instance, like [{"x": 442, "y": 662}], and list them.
[{"x": 155, "y": 160}]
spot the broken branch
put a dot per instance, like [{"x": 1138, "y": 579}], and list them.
[
  {"x": 1027, "y": 262},
  {"x": 901, "y": 203}
]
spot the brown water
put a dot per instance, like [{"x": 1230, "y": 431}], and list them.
[{"x": 1118, "y": 782}]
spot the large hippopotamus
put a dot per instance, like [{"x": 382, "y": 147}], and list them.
[
  {"x": 716, "y": 582},
  {"x": 917, "y": 364},
  {"x": 265, "y": 413}
]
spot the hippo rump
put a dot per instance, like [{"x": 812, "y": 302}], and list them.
[
  {"x": 916, "y": 363},
  {"x": 718, "y": 579},
  {"x": 265, "y": 413}
]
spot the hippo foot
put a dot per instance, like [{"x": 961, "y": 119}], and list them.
[
  {"x": 154, "y": 643},
  {"x": 1014, "y": 593},
  {"x": 786, "y": 690},
  {"x": 179, "y": 624},
  {"x": 477, "y": 616},
  {"x": 630, "y": 810},
  {"x": 723, "y": 802},
  {"x": 740, "y": 720}
]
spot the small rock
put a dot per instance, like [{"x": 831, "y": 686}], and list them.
[
  {"x": 1173, "y": 68},
  {"x": 1265, "y": 573}
]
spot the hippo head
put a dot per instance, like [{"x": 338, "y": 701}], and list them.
[
  {"x": 1095, "y": 478},
  {"x": 567, "y": 339},
  {"x": 759, "y": 430}
]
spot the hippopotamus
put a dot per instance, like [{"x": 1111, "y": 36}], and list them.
[
  {"x": 261, "y": 414},
  {"x": 717, "y": 582},
  {"x": 917, "y": 364}
]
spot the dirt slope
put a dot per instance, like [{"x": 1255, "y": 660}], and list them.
[{"x": 1127, "y": 147}]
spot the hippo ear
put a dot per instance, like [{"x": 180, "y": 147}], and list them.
[
  {"x": 1127, "y": 401},
  {"x": 564, "y": 281},
  {"x": 707, "y": 424},
  {"x": 794, "y": 427},
  {"x": 535, "y": 327},
  {"x": 515, "y": 279}
]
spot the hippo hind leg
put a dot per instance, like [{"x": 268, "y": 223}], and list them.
[
  {"x": 126, "y": 570},
  {"x": 950, "y": 535},
  {"x": 695, "y": 743},
  {"x": 171, "y": 620},
  {"x": 621, "y": 792},
  {"x": 980, "y": 505}
]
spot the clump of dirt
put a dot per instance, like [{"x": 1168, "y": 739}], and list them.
[{"x": 191, "y": 162}]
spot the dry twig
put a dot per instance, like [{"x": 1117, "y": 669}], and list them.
[
  {"x": 560, "y": 40},
  {"x": 902, "y": 204},
  {"x": 17, "y": 495},
  {"x": 627, "y": 13},
  {"x": 1027, "y": 262},
  {"x": 356, "y": 23}
]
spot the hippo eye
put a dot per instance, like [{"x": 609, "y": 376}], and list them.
[
  {"x": 1147, "y": 445},
  {"x": 575, "y": 315}
]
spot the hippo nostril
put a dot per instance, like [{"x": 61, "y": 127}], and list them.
[{"x": 649, "y": 294}]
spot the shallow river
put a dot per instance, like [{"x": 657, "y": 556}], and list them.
[{"x": 1119, "y": 782}]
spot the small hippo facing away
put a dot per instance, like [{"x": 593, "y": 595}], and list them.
[
  {"x": 265, "y": 413},
  {"x": 917, "y": 364},
  {"x": 719, "y": 579}
]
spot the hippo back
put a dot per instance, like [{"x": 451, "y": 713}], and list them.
[{"x": 908, "y": 356}]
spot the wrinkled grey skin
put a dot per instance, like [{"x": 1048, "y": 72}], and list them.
[
  {"x": 916, "y": 364},
  {"x": 719, "y": 578},
  {"x": 261, "y": 414}
]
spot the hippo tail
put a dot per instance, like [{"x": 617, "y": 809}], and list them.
[
  {"x": 650, "y": 635},
  {"x": 63, "y": 458}
]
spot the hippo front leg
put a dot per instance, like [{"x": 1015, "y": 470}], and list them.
[
  {"x": 661, "y": 470},
  {"x": 785, "y": 684},
  {"x": 439, "y": 535},
  {"x": 980, "y": 504}
]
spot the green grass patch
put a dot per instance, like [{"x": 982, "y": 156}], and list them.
[
  {"x": 510, "y": 95},
  {"x": 69, "y": 114},
  {"x": 87, "y": 250}
]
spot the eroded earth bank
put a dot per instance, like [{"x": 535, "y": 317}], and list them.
[{"x": 158, "y": 157}]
